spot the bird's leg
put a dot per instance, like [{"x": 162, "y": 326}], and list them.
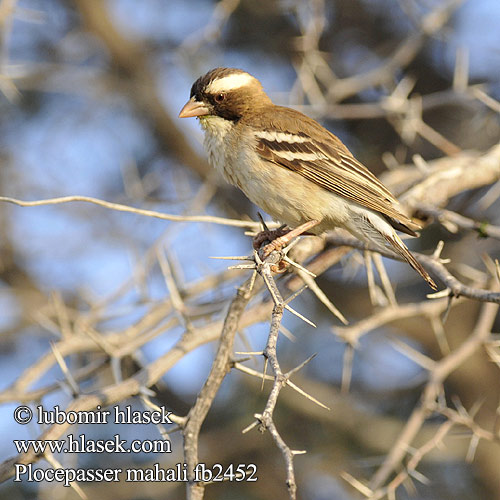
[
  {"x": 268, "y": 235},
  {"x": 281, "y": 240}
]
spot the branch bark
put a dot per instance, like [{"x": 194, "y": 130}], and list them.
[{"x": 220, "y": 366}]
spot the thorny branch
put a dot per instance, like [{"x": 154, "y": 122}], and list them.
[
  {"x": 265, "y": 420},
  {"x": 454, "y": 287}
]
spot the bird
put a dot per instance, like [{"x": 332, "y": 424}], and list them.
[{"x": 292, "y": 167}]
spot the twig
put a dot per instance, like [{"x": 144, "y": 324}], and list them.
[
  {"x": 457, "y": 289},
  {"x": 437, "y": 376},
  {"x": 139, "y": 211},
  {"x": 454, "y": 221},
  {"x": 220, "y": 367}
]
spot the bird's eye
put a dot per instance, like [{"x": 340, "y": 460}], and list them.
[{"x": 220, "y": 97}]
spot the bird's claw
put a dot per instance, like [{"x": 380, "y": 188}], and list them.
[{"x": 267, "y": 242}]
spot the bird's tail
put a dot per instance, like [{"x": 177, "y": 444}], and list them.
[
  {"x": 400, "y": 248},
  {"x": 372, "y": 228}
]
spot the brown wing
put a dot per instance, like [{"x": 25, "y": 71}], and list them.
[{"x": 310, "y": 150}]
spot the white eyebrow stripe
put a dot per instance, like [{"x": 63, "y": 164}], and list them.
[
  {"x": 281, "y": 137},
  {"x": 228, "y": 83}
]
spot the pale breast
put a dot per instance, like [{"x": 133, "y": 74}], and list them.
[
  {"x": 291, "y": 199},
  {"x": 216, "y": 142},
  {"x": 285, "y": 195}
]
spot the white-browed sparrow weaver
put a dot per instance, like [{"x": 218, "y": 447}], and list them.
[{"x": 291, "y": 166}]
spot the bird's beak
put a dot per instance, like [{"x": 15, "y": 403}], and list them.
[{"x": 193, "y": 108}]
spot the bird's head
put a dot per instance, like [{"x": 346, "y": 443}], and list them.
[{"x": 227, "y": 93}]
